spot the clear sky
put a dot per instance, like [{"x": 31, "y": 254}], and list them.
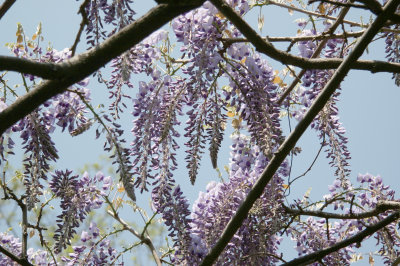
[{"x": 368, "y": 106}]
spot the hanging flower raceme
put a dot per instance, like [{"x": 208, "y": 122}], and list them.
[
  {"x": 256, "y": 241},
  {"x": 331, "y": 130},
  {"x": 79, "y": 195}
]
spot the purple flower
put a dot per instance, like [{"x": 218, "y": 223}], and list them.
[{"x": 78, "y": 197}]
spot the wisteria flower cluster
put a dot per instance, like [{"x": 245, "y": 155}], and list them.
[
  {"x": 256, "y": 241},
  {"x": 330, "y": 130},
  {"x": 313, "y": 234},
  {"x": 93, "y": 251},
  {"x": 14, "y": 245},
  {"x": 78, "y": 197}
]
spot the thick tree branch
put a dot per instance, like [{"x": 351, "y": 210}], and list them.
[
  {"x": 43, "y": 70},
  {"x": 5, "y": 7},
  {"x": 23, "y": 262},
  {"x": 373, "y": 5},
  {"x": 380, "y": 207},
  {"x": 92, "y": 60},
  {"x": 316, "y": 256},
  {"x": 294, "y": 39},
  {"x": 290, "y": 141},
  {"x": 80, "y": 66}
]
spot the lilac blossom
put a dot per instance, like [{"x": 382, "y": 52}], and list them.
[
  {"x": 254, "y": 96},
  {"x": 155, "y": 110},
  {"x": 139, "y": 59},
  {"x": 392, "y": 50},
  {"x": 39, "y": 150},
  {"x": 6, "y": 142},
  {"x": 311, "y": 235}
]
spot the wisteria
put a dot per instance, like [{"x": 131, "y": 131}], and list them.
[
  {"x": 78, "y": 197},
  {"x": 314, "y": 234},
  {"x": 101, "y": 13},
  {"x": 94, "y": 250},
  {"x": 14, "y": 245},
  {"x": 257, "y": 240},
  {"x": 330, "y": 130},
  {"x": 176, "y": 94}
]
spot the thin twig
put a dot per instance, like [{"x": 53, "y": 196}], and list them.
[
  {"x": 84, "y": 22},
  {"x": 146, "y": 240},
  {"x": 339, "y": 4},
  {"x": 295, "y": 39},
  {"x": 380, "y": 208}
]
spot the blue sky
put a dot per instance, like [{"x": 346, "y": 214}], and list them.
[{"x": 368, "y": 106}]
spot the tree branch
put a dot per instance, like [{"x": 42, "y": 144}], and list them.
[
  {"x": 265, "y": 47},
  {"x": 84, "y": 22},
  {"x": 5, "y": 7},
  {"x": 290, "y": 142},
  {"x": 81, "y": 66},
  {"x": 144, "y": 239},
  {"x": 294, "y": 39},
  {"x": 22, "y": 65},
  {"x": 380, "y": 207},
  {"x": 23, "y": 262},
  {"x": 316, "y": 256},
  {"x": 316, "y": 53}
]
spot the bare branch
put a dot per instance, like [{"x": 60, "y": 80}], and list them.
[
  {"x": 294, "y": 39},
  {"x": 265, "y": 47},
  {"x": 84, "y": 22},
  {"x": 144, "y": 239},
  {"x": 5, "y": 7},
  {"x": 43, "y": 70},
  {"x": 9, "y": 194},
  {"x": 380, "y": 208},
  {"x": 339, "y": 4},
  {"x": 316, "y": 256},
  {"x": 290, "y": 142}
]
